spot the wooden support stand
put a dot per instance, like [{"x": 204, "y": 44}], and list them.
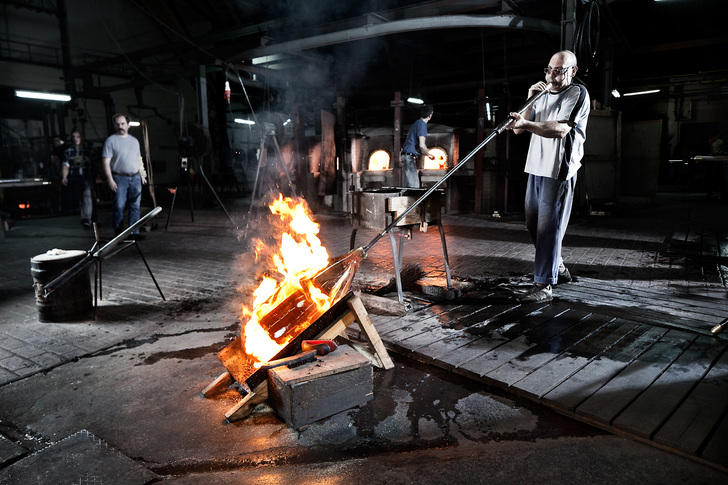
[{"x": 373, "y": 349}]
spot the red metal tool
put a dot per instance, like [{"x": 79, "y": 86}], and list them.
[
  {"x": 292, "y": 361},
  {"x": 322, "y": 347}
]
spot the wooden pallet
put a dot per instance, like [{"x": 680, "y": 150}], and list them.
[{"x": 660, "y": 384}]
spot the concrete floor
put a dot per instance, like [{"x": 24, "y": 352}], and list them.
[{"x": 117, "y": 398}]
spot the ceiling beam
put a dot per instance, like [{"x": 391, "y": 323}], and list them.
[{"x": 372, "y": 30}]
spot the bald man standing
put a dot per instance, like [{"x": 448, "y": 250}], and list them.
[{"x": 557, "y": 123}]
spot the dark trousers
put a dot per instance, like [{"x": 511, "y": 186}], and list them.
[{"x": 548, "y": 208}]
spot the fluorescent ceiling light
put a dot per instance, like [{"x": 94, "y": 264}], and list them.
[
  {"x": 244, "y": 122},
  {"x": 414, "y": 100},
  {"x": 615, "y": 93},
  {"x": 273, "y": 61},
  {"x": 46, "y": 96},
  {"x": 134, "y": 123},
  {"x": 267, "y": 59},
  {"x": 637, "y": 93}
]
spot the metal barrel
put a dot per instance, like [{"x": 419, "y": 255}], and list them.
[{"x": 72, "y": 301}]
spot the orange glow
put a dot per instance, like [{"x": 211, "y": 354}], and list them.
[
  {"x": 298, "y": 258},
  {"x": 379, "y": 160},
  {"x": 440, "y": 161},
  {"x": 23, "y": 206}
]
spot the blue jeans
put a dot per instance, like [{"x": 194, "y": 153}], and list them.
[
  {"x": 410, "y": 177},
  {"x": 128, "y": 191},
  {"x": 78, "y": 196},
  {"x": 548, "y": 208}
]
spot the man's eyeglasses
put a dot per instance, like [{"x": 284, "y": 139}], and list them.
[{"x": 556, "y": 70}]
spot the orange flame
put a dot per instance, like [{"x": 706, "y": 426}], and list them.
[
  {"x": 297, "y": 260},
  {"x": 379, "y": 160},
  {"x": 440, "y": 161}
]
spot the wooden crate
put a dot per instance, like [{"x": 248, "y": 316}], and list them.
[{"x": 336, "y": 382}]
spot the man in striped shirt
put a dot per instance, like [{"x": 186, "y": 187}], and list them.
[{"x": 557, "y": 123}]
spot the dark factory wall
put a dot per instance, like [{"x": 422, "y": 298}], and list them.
[{"x": 134, "y": 57}]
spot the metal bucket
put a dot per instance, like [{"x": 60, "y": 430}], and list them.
[{"x": 71, "y": 301}]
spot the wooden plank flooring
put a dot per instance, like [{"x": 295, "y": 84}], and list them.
[
  {"x": 661, "y": 384},
  {"x": 696, "y": 313},
  {"x": 627, "y": 346},
  {"x": 697, "y": 415}
]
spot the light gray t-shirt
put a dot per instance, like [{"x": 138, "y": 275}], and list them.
[
  {"x": 124, "y": 152},
  {"x": 559, "y": 158}
]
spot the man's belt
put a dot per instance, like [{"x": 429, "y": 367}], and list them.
[
  {"x": 124, "y": 174},
  {"x": 410, "y": 154}
]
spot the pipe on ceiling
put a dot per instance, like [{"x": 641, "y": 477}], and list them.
[{"x": 399, "y": 26}]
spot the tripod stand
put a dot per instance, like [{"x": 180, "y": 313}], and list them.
[
  {"x": 196, "y": 146},
  {"x": 269, "y": 138}
]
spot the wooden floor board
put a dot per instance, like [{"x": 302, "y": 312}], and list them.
[
  {"x": 618, "y": 393},
  {"x": 580, "y": 386},
  {"x": 436, "y": 313},
  {"x": 458, "y": 343},
  {"x": 500, "y": 355},
  {"x": 435, "y": 333},
  {"x": 659, "y": 401},
  {"x": 499, "y": 335},
  {"x": 484, "y": 313},
  {"x": 546, "y": 351},
  {"x": 491, "y": 311},
  {"x": 616, "y": 348},
  {"x": 618, "y": 294},
  {"x": 411, "y": 329},
  {"x": 715, "y": 449},
  {"x": 558, "y": 370},
  {"x": 638, "y": 310},
  {"x": 451, "y": 329},
  {"x": 695, "y": 419},
  {"x": 385, "y": 325},
  {"x": 494, "y": 324}
]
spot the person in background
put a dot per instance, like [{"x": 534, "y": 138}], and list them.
[
  {"x": 415, "y": 145},
  {"x": 557, "y": 123},
  {"x": 122, "y": 162},
  {"x": 52, "y": 173},
  {"x": 719, "y": 148},
  {"x": 54, "y": 167},
  {"x": 77, "y": 177}
]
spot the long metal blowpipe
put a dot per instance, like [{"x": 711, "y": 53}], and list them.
[
  {"x": 335, "y": 280},
  {"x": 350, "y": 262},
  {"x": 719, "y": 328}
]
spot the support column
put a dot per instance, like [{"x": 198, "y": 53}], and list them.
[
  {"x": 202, "y": 106},
  {"x": 396, "y": 147},
  {"x": 343, "y": 165},
  {"x": 68, "y": 77},
  {"x": 478, "y": 202},
  {"x": 568, "y": 24}
]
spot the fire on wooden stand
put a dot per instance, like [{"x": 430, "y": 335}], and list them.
[{"x": 310, "y": 299}]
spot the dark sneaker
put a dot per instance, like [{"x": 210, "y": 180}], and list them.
[
  {"x": 537, "y": 294},
  {"x": 564, "y": 275},
  {"x": 86, "y": 223}
]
